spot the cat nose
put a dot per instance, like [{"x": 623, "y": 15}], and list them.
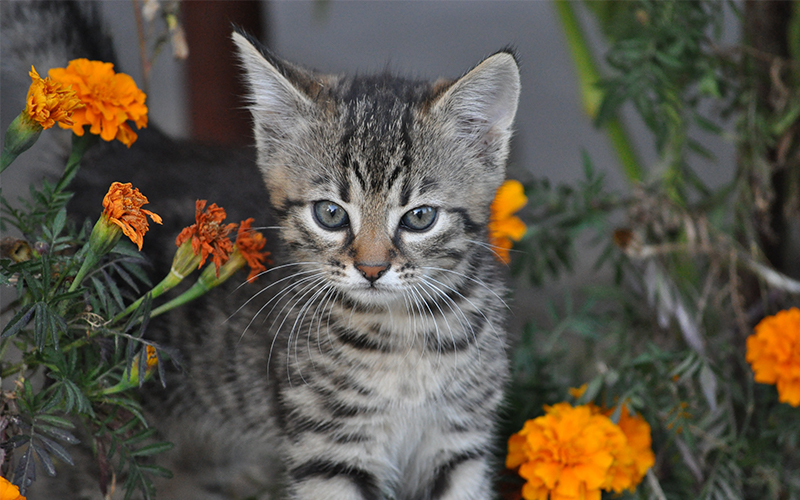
[{"x": 372, "y": 271}]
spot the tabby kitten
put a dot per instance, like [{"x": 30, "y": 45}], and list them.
[
  {"x": 388, "y": 362},
  {"x": 373, "y": 369}
]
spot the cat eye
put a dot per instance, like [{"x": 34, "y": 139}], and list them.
[
  {"x": 419, "y": 219},
  {"x": 330, "y": 215}
]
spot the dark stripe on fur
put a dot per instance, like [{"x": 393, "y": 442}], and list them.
[
  {"x": 470, "y": 226},
  {"x": 442, "y": 482},
  {"x": 300, "y": 424},
  {"x": 405, "y": 192},
  {"x": 344, "y": 190},
  {"x": 364, "y": 481},
  {"x": 353, "y": 339}
]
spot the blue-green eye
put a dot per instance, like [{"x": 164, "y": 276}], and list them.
[
  {"x": 330, "y": 215},
  {"x": 419, "y": 219}
]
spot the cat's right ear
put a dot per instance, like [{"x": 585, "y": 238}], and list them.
[{"x": 277, "y": 106}]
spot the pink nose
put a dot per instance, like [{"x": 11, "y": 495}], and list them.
[{"x": 372, "y": 271}]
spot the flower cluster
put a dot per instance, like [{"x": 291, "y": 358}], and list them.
[
  {"x": 504, "y": 226},
  {"x": 575, "y": 452},
  {"x": 110, "y": 99},
  {"x": 773, "y": 352},
  {"x": 49, "y": 101}
]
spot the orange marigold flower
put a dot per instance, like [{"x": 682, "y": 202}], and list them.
[
  {"x": 631, "y": 462},
  {"x": 773, "y": 352},
  {"x": 9, "y": 491},
  {"x": 49, "y": 102},
  {"x": 123, "y": 207},
  {"x": 111, "y": 100},
  {"x": 208, "y": 235},
  {"x": 152, "y": 359},
  {"x": 575, "y": 452},
  {"x": 250, "y": 243},
  {"x": 566, "y": 453},
  {"x": 504, "y": 226}
]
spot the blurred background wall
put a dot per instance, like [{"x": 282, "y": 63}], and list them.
[{"x": 200, "y": 98}]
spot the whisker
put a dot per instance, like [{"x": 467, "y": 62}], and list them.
[
  {"x": 301, "y": 318},
  {"x": 330, "y": 289},
  {"x": 278, "y": 298},
  {"x": 477, "y": 309},
  {"x": 474, "y": 280},
  {"x": 262, "y": 291},
  {"x": 456, "y": 309},
  {"x": 450, "y": 303},
  {"x": 275, "y": 268},
  {"x": 305, "y": 282},
  {"x": 444, "y": 316},
  {"x": 328, "y": 326},
  {"x": 488, "y": 246},
  {"x": 439, "y": 346},
  {"x": 303, "y": 309}
]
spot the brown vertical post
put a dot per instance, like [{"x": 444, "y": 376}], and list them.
[
  {"x": 766, "y": 29},
  {"x": 216, "y": 106}
]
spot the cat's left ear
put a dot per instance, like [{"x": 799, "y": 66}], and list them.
[{"x": 481, "y": 105}]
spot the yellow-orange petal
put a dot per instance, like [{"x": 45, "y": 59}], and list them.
[
  {"x": 9, "y": 491},
  {"x": 49, "y": 102},
  {"x": 577, "y": 392},
  {"x": 250, "y": 244},
  {"x": 504, "y": 227},
  {"x": 509, "y": 199},
  {"x": 122, "y": 205},
  {"x": 773, "y": 352},
  {"x": 111, "y": 100},
  {"x": 208, "y": 236}
]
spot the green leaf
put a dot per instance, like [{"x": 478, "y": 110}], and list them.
[
  {"x": 58, "y": 222},
  {"x": 156, "y": 471},
  {"x": 44, "y": 459},
  {"x": 59, "y": 434},
  {"x": 55, "y": 420},
  {"x": 152, "y": 449},
  {"x": 19, "y": 321},
  {"x": 56, "y": 449},
  {"x": 140, "y": 436}
]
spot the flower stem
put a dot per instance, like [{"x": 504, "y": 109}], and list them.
[
  {"x": 166, "y": 284},
  {"x": 591, "y": 95},
  {"x": 88, "y": 263},
  {"x": 6, "y": 159},
  {"x": 79, "y": 146},
  {"x": 198, "y": 289}
]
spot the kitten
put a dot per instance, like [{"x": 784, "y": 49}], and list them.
[{"x": 374, "y": 367}]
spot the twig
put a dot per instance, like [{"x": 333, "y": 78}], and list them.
[{"x": 137, "y": 12}]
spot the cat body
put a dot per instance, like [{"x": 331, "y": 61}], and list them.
[{"x": 369, "y": 363}]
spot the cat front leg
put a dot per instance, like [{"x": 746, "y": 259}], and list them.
[
  {"x": 332, "y": 480},
  {"x": 464, "y": 477}
]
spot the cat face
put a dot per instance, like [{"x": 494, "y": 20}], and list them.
[{"x": 379, "y": 182}]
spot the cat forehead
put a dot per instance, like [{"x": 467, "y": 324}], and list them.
[
  {"x": 377, "y": 140},
  {"x": 381, "y": 107}
]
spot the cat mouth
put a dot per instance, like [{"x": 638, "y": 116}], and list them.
[{"x": 374, "y": 294}]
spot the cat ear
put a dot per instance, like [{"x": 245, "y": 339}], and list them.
[
  {"x": 481, "y": 104},
  {"x": 276, "y": 104}
]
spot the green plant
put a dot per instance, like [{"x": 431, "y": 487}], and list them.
[{"x": 686, "y": 269}]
